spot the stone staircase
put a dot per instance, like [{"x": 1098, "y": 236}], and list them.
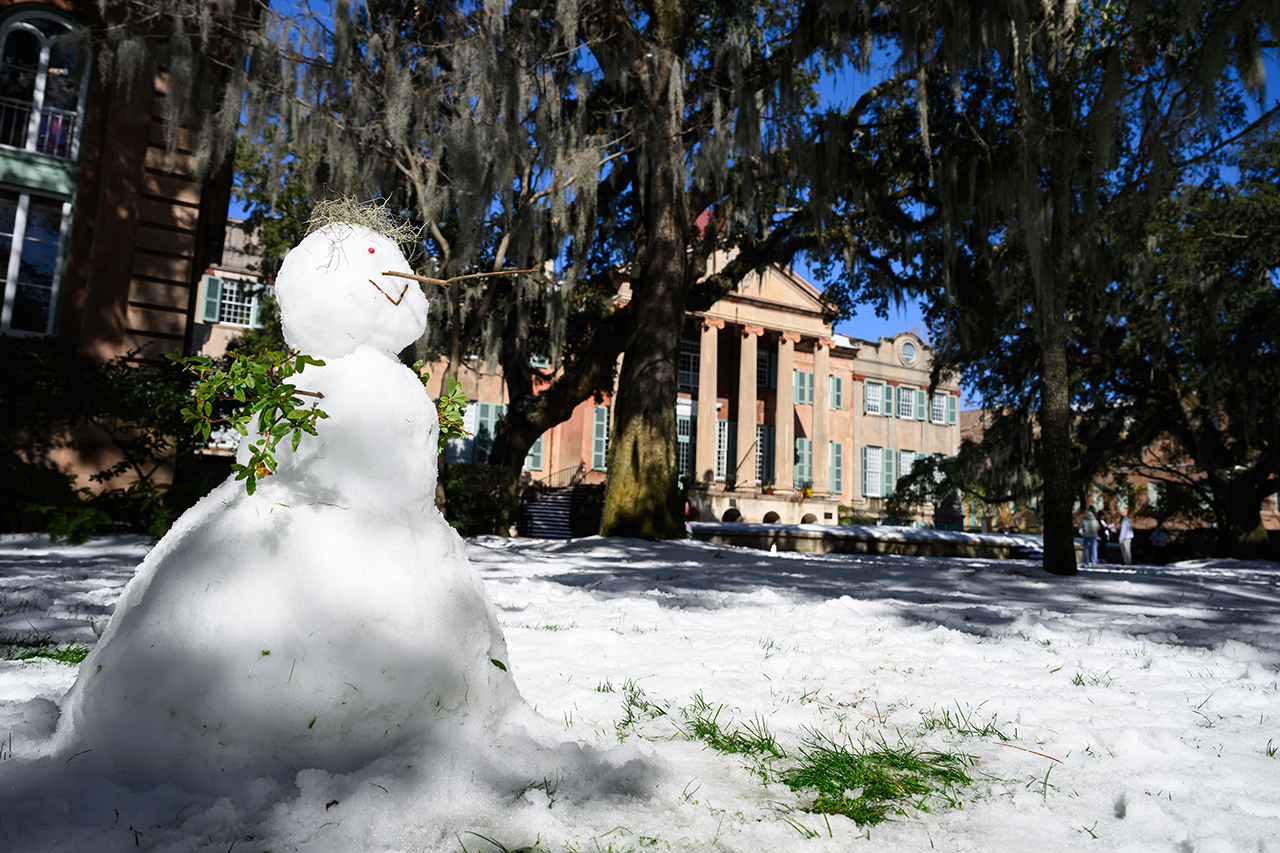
[
  {"x": 548, "y": 516},
  {"x": 563, "y": 513}
]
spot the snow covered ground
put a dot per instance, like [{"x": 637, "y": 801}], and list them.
[{"x": 1140, "y": 707}]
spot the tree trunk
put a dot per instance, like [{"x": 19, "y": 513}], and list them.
[
  {"x": 642, "y": 499},
  {"x": 1055, "y": 443}
]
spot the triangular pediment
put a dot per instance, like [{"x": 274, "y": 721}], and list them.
[{"x": 775, "y": 297}]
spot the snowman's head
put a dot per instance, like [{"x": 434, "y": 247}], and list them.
[{"x": 334, "y": 296}]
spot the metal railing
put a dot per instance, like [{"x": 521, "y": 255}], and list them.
[{"x": 57, "y": 133}]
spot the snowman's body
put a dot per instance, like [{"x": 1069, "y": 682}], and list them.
[{"x": 331, "y": 617}]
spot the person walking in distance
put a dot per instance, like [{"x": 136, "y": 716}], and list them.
[
  {"x": 1089, "y": 529},
  {"x": 1126, "y": 538}
]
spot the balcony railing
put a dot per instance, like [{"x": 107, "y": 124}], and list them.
[{"x": 57, "y": 133}]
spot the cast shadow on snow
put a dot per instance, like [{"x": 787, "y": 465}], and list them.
[
  {"x": 72, "y": 804},
  {"x": 983, "y": 597}
]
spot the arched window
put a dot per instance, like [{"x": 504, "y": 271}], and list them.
[
  {"x": 42, "y": 81},
  {"x": 43, "y": 77}
]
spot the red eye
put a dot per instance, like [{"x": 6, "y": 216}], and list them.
[{"x": 371, "y": 250}]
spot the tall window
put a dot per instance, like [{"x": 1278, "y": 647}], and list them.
[
  {"x": 766, "y": 369},
  {"x": 685, "y": 440},
  {"x": 726, "y": 449},
  {"x": 878, "y": 479},
  {"x": 32, "y": 231},
  {"x": 906, "y": 461},
  {"x": 533, "y": 459},
  {"x": 802, "y": 383},
  {"x": 836, "y": 475},
  {"x": 690, "y": 353},
  {"x": 906, "y": 403},
  {"x": 874, "y": 398},
  {"x": 765, "y": 437},
  {"x": 42, "y": 79},
  {"x": 600, "y": 440},
  {"x": 938, "y": 409},
  {"x": 872, "y": 471},
  {"x": 480, "y": 421},
  {"x": 802, "y": 472},
  {"x": 836, "y": 391}
]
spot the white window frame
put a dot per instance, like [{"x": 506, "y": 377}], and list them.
[
  {"x": 18, "y": 246},
  {"x": 873, "y": 397},
  {"x": 39, "y": 118},
  {"x": 872, "y": 471},
  {"x": 689, "y": 365},
  {"x": 906, "y": 461},
  {"x": 938, "y": 409},
  {"x": 765, "y": 438},
  {"x": 766, "y": 369},
  {"x": 726, "y": 447},
  {"x": 214, "y": 305},
  {"x": 906, "y": 402}
]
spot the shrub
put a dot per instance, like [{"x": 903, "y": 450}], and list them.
[
  {"x": 479, "y": 499},
  {"x": 51, "y": 396}
]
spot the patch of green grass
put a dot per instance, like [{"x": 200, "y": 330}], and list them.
[
  {"x": 702, "y": 722},
  {"x": 868, "y": 783},
  {"x": 35, "y": 645},
  {"x": 636, "y": 710},
  {"x": 961, "y": 723},
  {"x": 1082, "y": 680}
]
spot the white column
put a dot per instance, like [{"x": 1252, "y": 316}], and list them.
[
  {"x": 785, "y": 413},
  {"x": 747, "y": 449},
  {"x": 821, "y": 429},
  {"x": 708, "y": 363}
]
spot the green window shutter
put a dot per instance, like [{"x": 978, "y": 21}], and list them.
[
  {"x": 797, "y": 466},
  {"x": 953, "y": 406},
  {"x": 797, "y": 387},
  {"x": 888, "y": 480},
  {"x": 922, "y": 405},
  {"x": 864, "y": 470},
  {"x": 770, "y": 446},
  {"x": 887, "y": 401},
  {"x": 600, "y": 440},
  {"x": 487, "y": 417},
  {"x": 212, "y": 299},
  {"x": 836, "y": 478},
  {"x": 837, "y": 391},
  {"x": 255, "y": 312},
  {"x": 803, "y": 462},
  {"x": 484, "y": 433},
  {"x": 533, "y": 461}
]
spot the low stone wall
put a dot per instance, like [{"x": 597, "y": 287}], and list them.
[{"x": 847, "y": 539}]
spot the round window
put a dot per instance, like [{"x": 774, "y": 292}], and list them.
[{"x": 909, "y": 353}]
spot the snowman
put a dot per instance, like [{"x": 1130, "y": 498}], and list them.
[{"x": 330, "y": 618}]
